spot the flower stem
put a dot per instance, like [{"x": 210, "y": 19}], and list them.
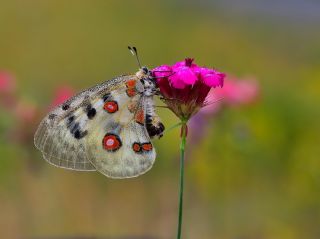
[
  {"x": 172, "y": 127},
  {"x": 184, "y": 131}
]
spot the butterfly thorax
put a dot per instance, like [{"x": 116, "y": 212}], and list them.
[{"x": 147, "y": 85}]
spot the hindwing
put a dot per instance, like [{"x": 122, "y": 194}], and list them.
[{"x": 120, "y": 146}]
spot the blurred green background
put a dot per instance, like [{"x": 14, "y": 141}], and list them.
[{"x": 254, "y": 174}]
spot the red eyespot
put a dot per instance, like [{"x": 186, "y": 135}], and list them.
[
  {"x": 110, "y": 106},
  {"x": 139, "y": 117},
  {"x": 111, "y": 142},
  {"x": 131, "y": 83},
  {"x": 131, "y": 92},
  {"x": 136, "y": 147},
  {"x": 147, "y": 147}
]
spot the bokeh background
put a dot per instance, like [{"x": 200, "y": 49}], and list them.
[{"x": 252, "y": 169}]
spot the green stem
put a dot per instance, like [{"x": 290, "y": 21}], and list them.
[
  {"x": 184, "y": 131},
  {"x": 172, "y": 127}
]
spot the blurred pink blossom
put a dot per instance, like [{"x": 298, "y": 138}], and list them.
[
  {"x": 7, "y": 90},
  {"x": 239, "y": 92},
  {"x": 235, "y": 92},
  {"x": 30, "y": 114},
  {"x": 26, "y": 114},
  {"x": 61, "y": 94},
  {"x": 7, "y": 82}
]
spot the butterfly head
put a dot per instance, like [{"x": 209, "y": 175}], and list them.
[
  {"x": 148, "y": 82},
  {"x": 143, "y": 72}
]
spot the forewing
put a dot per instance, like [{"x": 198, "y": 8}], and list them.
[
  {"x": 119, "y": 146},
  {"x": 61, "y": 134}
]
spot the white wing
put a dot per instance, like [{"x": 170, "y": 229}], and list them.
[
  {"x": 61, "y": 134},
  {"x": 119, "y": 146}
]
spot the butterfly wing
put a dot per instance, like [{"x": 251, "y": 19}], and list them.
[
  {"x": 119, "y": 146},
  {"x": 61, "y": 134}
]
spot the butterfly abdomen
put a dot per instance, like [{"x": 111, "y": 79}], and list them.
[
  {"x": 154, "y": 126},
  {"x": 152, "y": 120}
]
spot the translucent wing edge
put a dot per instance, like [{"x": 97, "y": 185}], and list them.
[
  {"x": 130, "y": 176},
  {"x": 84, "y": 169}
]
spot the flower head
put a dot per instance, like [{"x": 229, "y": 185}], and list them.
[{"x": 185, "y": 86}]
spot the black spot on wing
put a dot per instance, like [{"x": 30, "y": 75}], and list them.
[
  {"x": 65, "y": 106},
  {"x": 154, "y": 129},
  {"x": 74, "y": 128},
  {"x": 107, "y": 97},
  {"x": 52, "y": 116},
  {"x": 70, "y": 120},
  {"x": 91, "y": 112},
  {"x": 78, "y": 134}
]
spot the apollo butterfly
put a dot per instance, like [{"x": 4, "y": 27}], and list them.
[{"x": 107, "y": 128}]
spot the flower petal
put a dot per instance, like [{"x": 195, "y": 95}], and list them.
[
  {"x": 183, "y": 76},
  {"x": 162, "y": 71},
  {"x": 177, "y": 82},
  {"x": 212, "y": 78}
]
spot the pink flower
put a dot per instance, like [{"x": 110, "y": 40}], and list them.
[
  {"x": 7, "y": 83},
  {"x": 239, "y": 92},
  {"x": 185, "y": 86},
  {"x": 211, "y": 77},
  {"x": 62, "y": 94},
  {"x": 235, "y": 92},
  {"x": 8, "y": 97}
]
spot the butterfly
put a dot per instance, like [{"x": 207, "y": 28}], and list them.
[{"x": 107, "y": 128}]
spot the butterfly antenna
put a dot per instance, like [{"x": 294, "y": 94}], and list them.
[{"x": 134, "y": 52}]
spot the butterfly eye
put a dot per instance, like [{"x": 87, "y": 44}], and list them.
[{"x": 145, "y": 70}]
